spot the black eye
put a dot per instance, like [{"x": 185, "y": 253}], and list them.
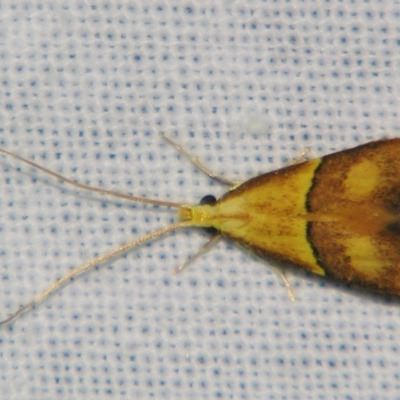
[{"x": 209, "y": 200}]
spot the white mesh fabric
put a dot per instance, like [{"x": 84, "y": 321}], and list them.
[{"x": 85, "y": 89}]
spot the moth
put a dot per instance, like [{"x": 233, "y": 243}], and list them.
[{"x": 336, "y": 216}]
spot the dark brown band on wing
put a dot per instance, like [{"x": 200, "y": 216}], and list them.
[{"x": 314, "y": 182}]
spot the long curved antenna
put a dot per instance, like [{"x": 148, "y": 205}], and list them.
[
  {"x": 90, "y": 264},
  {"x": 91, "y": 188}
]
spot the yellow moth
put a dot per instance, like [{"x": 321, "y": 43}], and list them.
[{"x": 338, "y": 215}]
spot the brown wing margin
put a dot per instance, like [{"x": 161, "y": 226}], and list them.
[{"x": 360, "y": 187}]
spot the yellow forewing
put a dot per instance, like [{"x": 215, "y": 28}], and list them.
[
  {"x": 268, "y": 214},
  {"x": 337, "y": 215}
]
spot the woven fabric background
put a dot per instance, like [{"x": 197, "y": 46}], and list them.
[{"x": 85, "y": 90}]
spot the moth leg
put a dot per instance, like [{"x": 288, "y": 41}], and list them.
[
  {"x": 285, "y": 280},
  {"x": 199, "y": 253},
  {"x": 301, "y": 157},
  {"x": 198, "y": 164}
]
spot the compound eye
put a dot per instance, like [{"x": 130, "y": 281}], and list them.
[{"x": 208, "y": 200}]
